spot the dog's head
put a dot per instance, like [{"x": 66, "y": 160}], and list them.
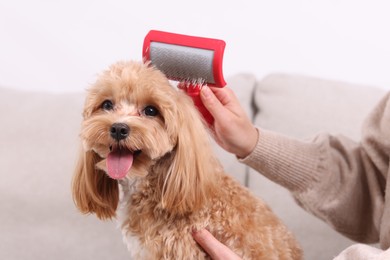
[{"x": 134, "y": 120}]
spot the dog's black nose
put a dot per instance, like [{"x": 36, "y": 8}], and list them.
[{"x": 119, "y": 131}]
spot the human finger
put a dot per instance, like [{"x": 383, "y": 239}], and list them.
[{"x": 213, "y": 247}]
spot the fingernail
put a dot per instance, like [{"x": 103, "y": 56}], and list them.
[{"x": 206, "y": 91}]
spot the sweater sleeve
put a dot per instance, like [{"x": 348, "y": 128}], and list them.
[{"x": 333, "y": 177}]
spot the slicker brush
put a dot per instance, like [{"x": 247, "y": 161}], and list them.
[{"x": 192, "y": 61}]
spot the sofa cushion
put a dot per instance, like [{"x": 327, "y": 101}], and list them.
[
  {"x": 300, "y": 107},
  {"x": 39, "y": 146}
]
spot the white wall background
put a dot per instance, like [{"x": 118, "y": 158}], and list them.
[{"x": 61, "y": 45}]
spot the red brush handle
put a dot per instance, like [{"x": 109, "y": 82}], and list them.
[
  {"x": 215, "y": 45},
  {"x": 193, "y": 90}
]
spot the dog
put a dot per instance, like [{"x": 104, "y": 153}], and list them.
[{"x": 146, "y": 160}]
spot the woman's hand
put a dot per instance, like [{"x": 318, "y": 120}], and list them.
[
  {"x": 232, "y": 128},
  {"x": 215, "y": 249}
]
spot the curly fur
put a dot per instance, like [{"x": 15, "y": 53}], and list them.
[{"x": 175, "y": 184}]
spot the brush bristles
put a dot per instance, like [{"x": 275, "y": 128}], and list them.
[{"x": 183, "y": 63}]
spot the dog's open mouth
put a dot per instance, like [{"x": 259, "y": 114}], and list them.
[{"x": 119, "y": 161}]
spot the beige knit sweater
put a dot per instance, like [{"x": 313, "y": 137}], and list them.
[{"x": 338, "y": 180}]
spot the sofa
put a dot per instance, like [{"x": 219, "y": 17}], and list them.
[{"x": 39, "y": 147}]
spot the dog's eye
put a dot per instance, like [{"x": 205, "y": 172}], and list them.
[
  {"x": 150, "y": 111},
  {"x": 107, "y": 105}
]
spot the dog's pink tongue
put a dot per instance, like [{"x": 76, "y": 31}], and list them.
[{"x": 119, "y": 163}]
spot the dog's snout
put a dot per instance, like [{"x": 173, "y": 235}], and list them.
[{"x": 119, "y": 131}]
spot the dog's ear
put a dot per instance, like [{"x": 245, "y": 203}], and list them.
[
  {"x": 191, "y": 174},
  {"x": 93, "y": 191}
]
